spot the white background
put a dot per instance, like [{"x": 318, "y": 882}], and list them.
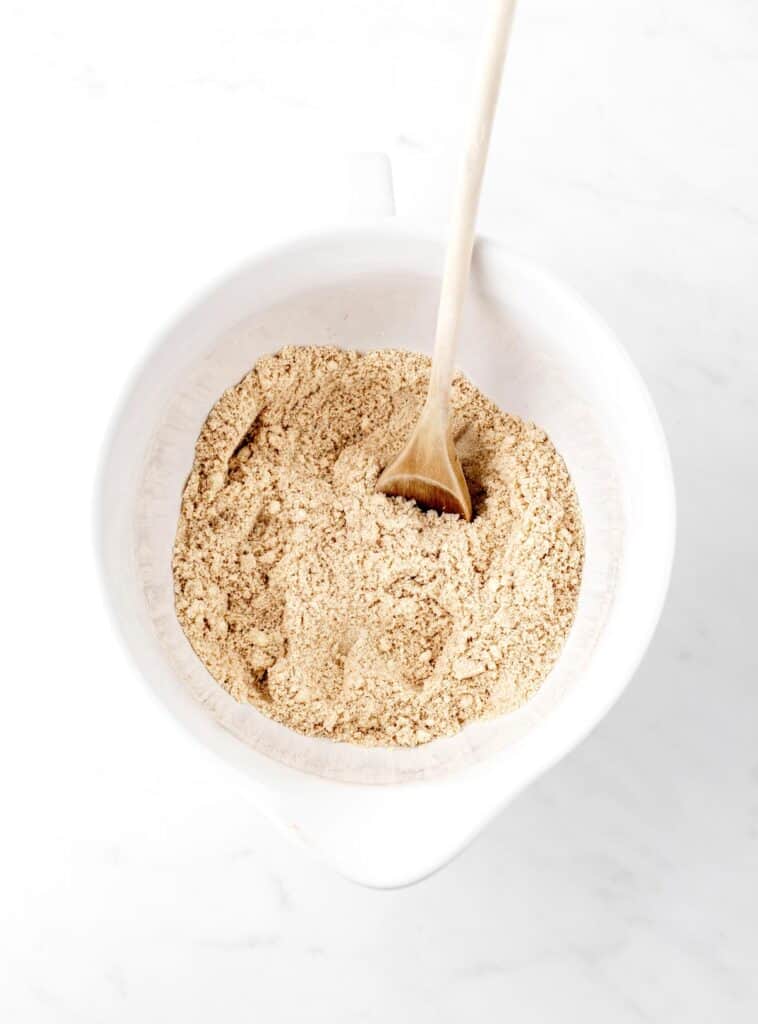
[{"x": 148, "y": 146}]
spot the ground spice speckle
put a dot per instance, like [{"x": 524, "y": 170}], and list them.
[{"x": 344, "y": 613}]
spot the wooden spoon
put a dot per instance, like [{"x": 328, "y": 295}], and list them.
[{"x": 428, "y": 470}]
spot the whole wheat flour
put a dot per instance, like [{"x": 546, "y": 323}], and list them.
[{"x": 344, "y": 613}]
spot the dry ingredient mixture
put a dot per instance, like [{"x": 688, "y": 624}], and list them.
[{"x": 344, "y": 613}]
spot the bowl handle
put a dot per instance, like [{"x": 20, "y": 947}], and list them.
[{"x": 370, "y": 195}]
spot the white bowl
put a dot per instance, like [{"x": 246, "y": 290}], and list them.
[{"x": 389, "y": 817}]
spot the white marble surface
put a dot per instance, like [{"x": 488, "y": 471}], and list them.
[{"x": 149, "y": 146}]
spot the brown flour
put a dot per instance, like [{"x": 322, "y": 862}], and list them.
[{"x": 343, "y": 613}]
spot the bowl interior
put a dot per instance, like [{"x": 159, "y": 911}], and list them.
[{"x": 529, "y": 344}]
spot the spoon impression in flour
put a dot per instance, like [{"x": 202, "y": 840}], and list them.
[{"x": 428, "y": 470}]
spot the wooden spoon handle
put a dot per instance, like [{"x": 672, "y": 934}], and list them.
[{"x": 461, "y": 237}]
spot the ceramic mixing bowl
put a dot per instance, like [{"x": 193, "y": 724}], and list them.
[{"x": 388, "y": 817}]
